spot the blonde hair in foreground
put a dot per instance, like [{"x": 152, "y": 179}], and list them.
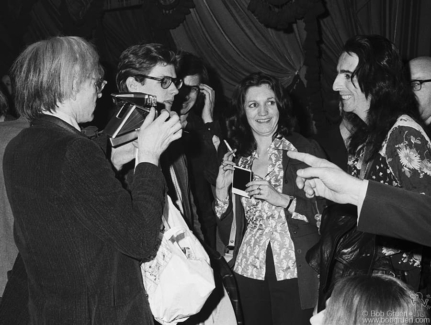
[
  {"x": 50, "y": 71},
  {"x": 377, "y": 299}
]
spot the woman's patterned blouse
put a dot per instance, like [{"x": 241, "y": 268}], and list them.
[{"x": 266, "y": 223}]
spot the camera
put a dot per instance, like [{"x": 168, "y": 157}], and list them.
[{"x": 132, "y": 108}]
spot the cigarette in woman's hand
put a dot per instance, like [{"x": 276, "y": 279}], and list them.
[{"x": 230, "y": 149}]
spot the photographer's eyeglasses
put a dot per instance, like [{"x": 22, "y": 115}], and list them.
[
  {"x": 165, "y": 82},
  {"x": 417, "y": 84},
  {"x": 100, "y": 84}
]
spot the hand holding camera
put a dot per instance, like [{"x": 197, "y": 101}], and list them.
[
  {"x": 155, "y": 135},
  {"x": 140, "y": 116}
]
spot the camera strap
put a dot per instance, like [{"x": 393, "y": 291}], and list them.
[{"x": 231, "y": 245}]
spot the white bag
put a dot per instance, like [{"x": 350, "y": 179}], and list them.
[{"x": 179, "y": 279}]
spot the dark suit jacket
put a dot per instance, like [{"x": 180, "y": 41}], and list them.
[
  {"x": 201, "y": 155},
  {"x": 304, "y": 235},
  {"x": 174, "y": 156},
  {"x": 80, "y": 234},
  {"x": 396, "y": 212}
]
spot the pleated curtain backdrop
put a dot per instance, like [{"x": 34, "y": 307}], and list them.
[{"x": 232, "y": 41}]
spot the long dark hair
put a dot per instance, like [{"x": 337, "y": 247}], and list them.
[
  {"x": 239, "y": 131},
  {"x": 381, "y": 77}
]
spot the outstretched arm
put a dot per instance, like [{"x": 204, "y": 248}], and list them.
[
  {"x": 383, "y": 209},
  {"x": 327, "y": 180}
]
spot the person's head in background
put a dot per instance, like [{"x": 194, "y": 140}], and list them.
[
  {"x": 149, "y": 69},
  {"x": 420, "y": 74},
  {"x": 194, "y": 73},
  {"x": 51, "y": 72},
  {"x": 6, "y": 89},
  {"x": 260, "y": 107},
  {"x": 377, "y": 299},
  {"x": 5, "y": 79},
  {"x": 373, "y": 86}
]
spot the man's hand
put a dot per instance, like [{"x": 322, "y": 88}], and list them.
[
  {"x": 155, "y": 135},
  {"x": 208, "y": 110},
  {"x": 123, "y": 154},
  {"x": 326, "y": 179}
]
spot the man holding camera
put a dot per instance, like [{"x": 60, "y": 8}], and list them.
[{"x": 151, "y": 69}]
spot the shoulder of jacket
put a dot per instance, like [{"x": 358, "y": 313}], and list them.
[{"x": 301, "y": 143}]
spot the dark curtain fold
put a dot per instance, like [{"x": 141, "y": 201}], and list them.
[
  {"x": 54, "y": 18},
  {"x": 122, "y": 28}
]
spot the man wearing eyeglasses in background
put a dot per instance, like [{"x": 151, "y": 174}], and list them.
[
  {"x": 151, "y": 69},
  {"x": 201, "y": 139},
  {"x": 420, "y": 73}
]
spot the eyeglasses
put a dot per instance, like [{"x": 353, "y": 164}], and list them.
[
  {"x": 417, "y": 84},
  {"x": 165, "y": 82},
  {"x": 100, "y": 84}
]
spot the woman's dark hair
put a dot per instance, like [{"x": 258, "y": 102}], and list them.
[
  {"x": 381, "y": 77},
  {"x": 239, "y": 131}
]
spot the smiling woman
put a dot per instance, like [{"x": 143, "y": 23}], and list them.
[
  {"x": 261, "y": 110},
  {"x": 258, "y": 84},
  {"x": 275, "y": 223}
]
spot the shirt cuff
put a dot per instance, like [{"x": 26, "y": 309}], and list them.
[
  {"x": 221, "y": 206},
  {"x": 361, "y": 198}
]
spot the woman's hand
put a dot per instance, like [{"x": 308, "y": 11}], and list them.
[
  {"x": 224, "y": 177},
  {"x": 263, "y": 190}
]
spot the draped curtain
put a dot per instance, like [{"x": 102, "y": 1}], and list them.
[
  {"x": 224, "y": 33},
  {"x": 234, "y": 43},
  {"x": 122, "y": 28}
]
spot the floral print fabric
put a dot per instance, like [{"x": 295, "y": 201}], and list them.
[{"x": 404, "y": 161}]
